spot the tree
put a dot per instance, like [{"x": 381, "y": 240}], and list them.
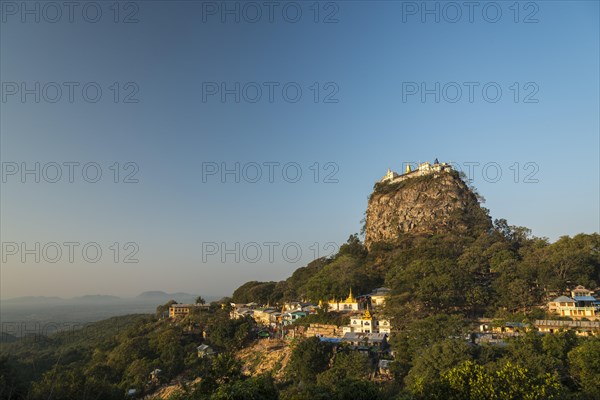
[
  {"x": 200, "y": 300},
  {"x": 559, "y": 344},
  {"x": 167, "y": 345},
  {"x": 230, "y": 334},
  {"x": 516, "y": 235},
  {"x": 293, "y": 285},
  {"x": 528, "y": 351},
  {"x": 470, "y": 381},
  {"x": 336, "y": 278},
  {"x": 353, "y": 247},
  {"x": 350, "y": 365},
  {"x": 515, "y": 285},
  {"x": 357, "y": 389},
  {"x": 128, "y": 349},
  {"x": 136, "y": 374},
  {"x": 573, "y": 261},
  {"x": 467, "y": 381},
  {"x": 418, "y": 335},
  {"x": 585, "y": 366},
  {"x": 513, "y": 382},
  {"x": 432, "y": 284},
  {"x": 226, "y": 368},
  {"x": 309, "y": 358},
  {"x": 435, "y": 360},
  {"x": 254, "y": 291},
  {"x": 62, "y": 383}
]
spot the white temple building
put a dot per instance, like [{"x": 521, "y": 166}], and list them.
[{"x": 422, "y": 169}]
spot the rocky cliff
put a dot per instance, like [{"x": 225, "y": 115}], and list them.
[{"x": 435, "y": 203}]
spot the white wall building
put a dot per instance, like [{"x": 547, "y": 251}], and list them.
[{"x": 368, "y": 323}]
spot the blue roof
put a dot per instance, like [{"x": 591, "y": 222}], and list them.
[
  {"x": 330, "y": 340},
  {"x": 585, "y": 298}
]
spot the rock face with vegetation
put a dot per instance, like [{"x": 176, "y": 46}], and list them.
[{"x": 436, "y": 203}]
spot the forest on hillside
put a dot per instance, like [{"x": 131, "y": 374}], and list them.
[
  {"x": 440, "y": 284},
  {"x": 502, "y": 271}
]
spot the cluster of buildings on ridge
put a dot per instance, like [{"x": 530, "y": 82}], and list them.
[
  {"x": 365, "y": 328},
  {"x": 579, "y": 313},
  {"x": 368, "y": 328},
  {"x": 422, "y": 169}
]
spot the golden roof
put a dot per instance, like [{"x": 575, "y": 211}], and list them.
[{"x": 350, "y": 298}]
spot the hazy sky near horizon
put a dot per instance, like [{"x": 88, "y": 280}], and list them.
[{"x": 193, "y": 146}]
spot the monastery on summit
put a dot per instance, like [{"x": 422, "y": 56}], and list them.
[{"x": 422, "y": 169}]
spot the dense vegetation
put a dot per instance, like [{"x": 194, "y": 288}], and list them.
[
  {"x": 504, "y": 270},
  {"x": 106, "y": 359},
  {"x": 440, "y": 284}
]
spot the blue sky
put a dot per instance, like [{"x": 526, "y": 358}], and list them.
[{"x": 365, "y": 120}]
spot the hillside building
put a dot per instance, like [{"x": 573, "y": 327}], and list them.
[
  {"x": 350, "y": 304},
  {"x": 364, "y": 341},
  {"x": 581, "y": 304},
  {"x": 181, "y": 310},
  {"x": 581, "y": 328},
  {"x": 378, "y": 296},
  {"x": 368, "y": 323}
]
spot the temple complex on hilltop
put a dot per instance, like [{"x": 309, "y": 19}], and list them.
[{"x": 422, "y": 169}]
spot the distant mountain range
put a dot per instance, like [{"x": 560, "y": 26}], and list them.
[
  {"x": 153, "y": 296},
  {"x": 87, "y": 308},
  {"x": 32, "y": 299}
]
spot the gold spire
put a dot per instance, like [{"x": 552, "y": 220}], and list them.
[
  {"x": 408, "y": 168},
  {"x": 350, "y": 298},
  {"x": 367, "y": 314}
]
